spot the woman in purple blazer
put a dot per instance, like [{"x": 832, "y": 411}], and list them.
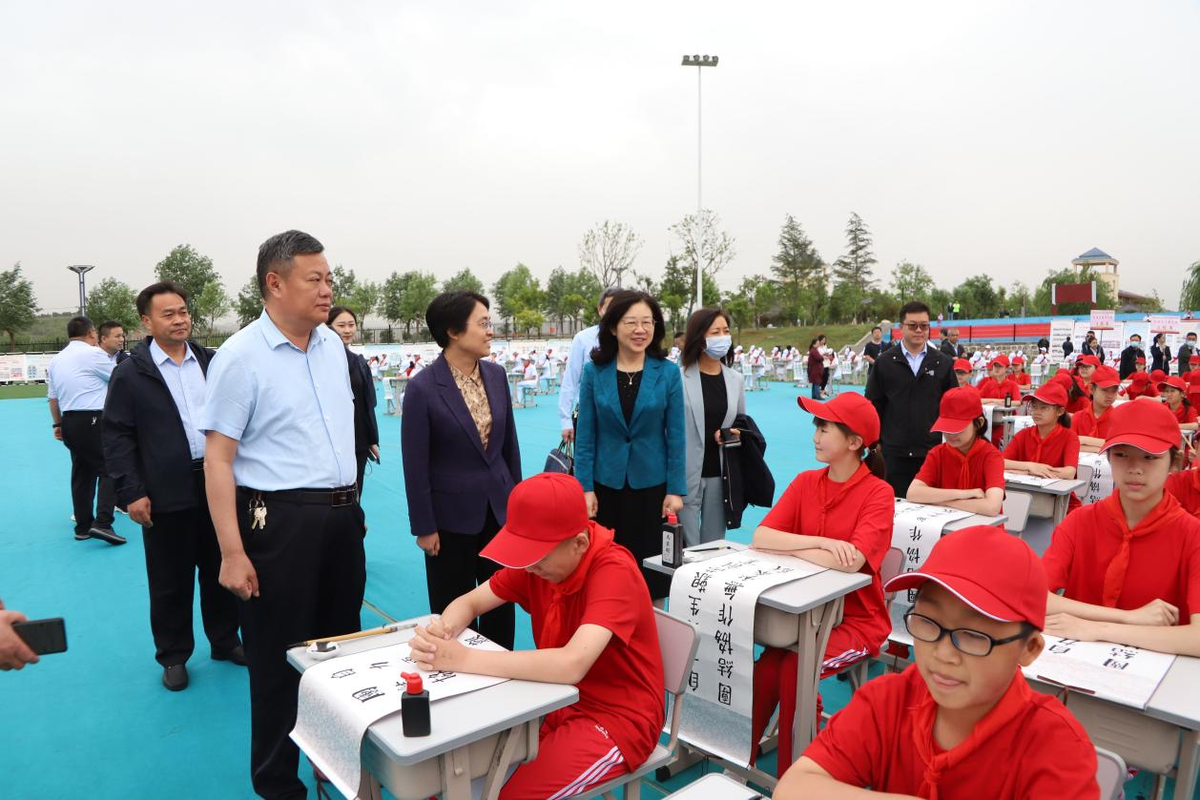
[{"x": 461, "y": 457}]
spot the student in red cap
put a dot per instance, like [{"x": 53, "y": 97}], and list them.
[
  {"x": 1129, "y": 565},
  {"x": 1019, "y": 375},
  {"x": 593, "y": 625},
  {"x": 1193, "y": 391},
  {"x": 962, "y": 371},
  {"x": 1092, "y": 423},
  {"x": 1193, "y": 367},
  {"x": 1185, "y": 486},
  {"x": 1157, "y": 377},
  {"x": 1139, "y": 365},
  {"x": 998, "y": 385},
  {"x": 965, "y": 471},
  {"x": 1139, "y": 386},
  {"x": 1080, "y": 395},
  {"x": 1174, "y": 394},
  {"x": 961, "y": 721},
  {"x": 839, "y": 517},
  {"x": 1049, "y": 449}
]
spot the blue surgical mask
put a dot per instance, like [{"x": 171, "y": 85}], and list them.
[{"x": 717, "y": 346}]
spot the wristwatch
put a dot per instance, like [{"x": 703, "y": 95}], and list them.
[{"x": 56, "y": 425}]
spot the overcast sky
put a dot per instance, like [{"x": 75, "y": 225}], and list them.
[{"x": 999, "y": 138}]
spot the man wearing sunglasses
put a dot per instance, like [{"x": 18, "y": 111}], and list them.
[
  {"x": 961, "y": 721},
  {"x": 906, "y": 387}
]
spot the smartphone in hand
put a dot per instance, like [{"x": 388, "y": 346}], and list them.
[{"x": 44, "y": 636}]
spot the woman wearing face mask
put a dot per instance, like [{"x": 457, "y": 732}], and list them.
[{"x": 713, "y": 396}]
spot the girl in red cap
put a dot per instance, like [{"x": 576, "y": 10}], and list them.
[
  {"x": 965, "y": 471},
  {"x": 962, "y": 371},
  {"x": 1140, "y": 385},
  {"x": 998, "y": 385},
  {"x": 839, "y": 517},
  {"x": 1092, "y": 423},
  {"x": 1174, "y": 394},
  {"x": 1079, "y": 395},
  {"x": 1129, "y": 565},
  {"x": 1019, "y": 375},
  {"x": 1050, "y": 449}
]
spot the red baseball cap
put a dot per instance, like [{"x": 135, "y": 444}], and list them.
[
  {"x": 1140, "y": 360},
  {"x": 1001, "y": 359},
  {"x": 962, "y": 365},
  {"x": 1105, "y": 377},
  {"x": 1017, "y": 360},
  {"x": 1151, "y": 427},
  {"x": 1053, "y": 393},
  {"x": 990, "y": 570},
  {"x": 852, "y": 410},
  {"x": 959, "y": 408},
  {"x": 1175, "y": 382},
  {"x": 543, "y": 511},
  {"x": 1088, "y": 361},
  {"x": 1158, "y": 375}
]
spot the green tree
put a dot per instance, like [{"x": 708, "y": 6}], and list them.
[
  {"x": 112, "y": 299},
  {"x": 911, "y": 282},
  {"x": 739, "y": 308},
  {"x": 392, "y": 297},
  {"x": 344, "y": 284},
  {"x": 978, "y": 297},
  {"x": 248, "y": 304},
  {"x": 364, "y": 300},
  {"x": 679, "y": 281},
  {"x": 419, "y": 290},
  {"x": 529, "y": 321},
  {"x": 463, "y": 280},
  {"x": 1189, "y": 293},
  {"x": 212, "y": 304},
  {"x": 17, "y": 303},
  {"x": 759, "y": 293},
  {"x": 1105, "y": 297},
  {"x": 515, "y": 291},
  {"x": 188, "y": 268},
  {"x": 703, "y": 245},
  {"x": 801, "y": 273},
  {"x": 852, "y": 271},
  {"x": 1019, "y": 297},
  {"x": 608, "y": 251},
  {"x": 558, "y": 289}
]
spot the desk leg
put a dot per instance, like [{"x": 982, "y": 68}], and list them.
[
  {"x": 815, "y": 626},
  {"x": 1185, "y": 774},
  {"x": 456, "y": 774},
  {"x": 1060, "y": 507}
]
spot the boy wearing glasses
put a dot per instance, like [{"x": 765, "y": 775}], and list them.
[{"x": 961, "y": 721}]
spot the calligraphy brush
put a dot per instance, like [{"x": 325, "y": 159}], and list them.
[{"x": 391, "y": 627}]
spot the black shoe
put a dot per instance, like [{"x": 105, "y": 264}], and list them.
[
  {"x": 175, "y": 677},
  {"x": 107, "y": 534},
  {"x": 82, "y": 537},
  {"x": 237, "y": 655}
]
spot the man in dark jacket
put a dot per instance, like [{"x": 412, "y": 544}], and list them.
[
  {"x": 906, "y": 387},
  {"x": 1129, "y": 356},
  {"x": 1186, "y": 351},
  {"x": 950, "y": 345},
  {"x": 154, "y": 452}
]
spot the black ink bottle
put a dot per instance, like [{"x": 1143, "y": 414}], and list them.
[
  {"x": 414, "y": 706},
  {"x": 672, "y": 542}
]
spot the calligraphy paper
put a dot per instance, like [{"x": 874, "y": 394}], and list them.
[
  {"x": 1113, "y": 672},
  {"x": 718, "y": 596},
  {"x": 341, "y": 698},
  {"x": 1101, "y": 484},
  {"x": 916, "y": 528},
  {"x": 1027, "y": 480}
]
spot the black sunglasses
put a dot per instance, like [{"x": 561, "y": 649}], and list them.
[{"x": 965, "y": 640}]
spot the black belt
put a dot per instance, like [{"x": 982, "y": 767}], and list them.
[
  {"x": 197, "y": 465},
  {"x": 84, "y": 411},
  {"x": 341, "y": 496}
]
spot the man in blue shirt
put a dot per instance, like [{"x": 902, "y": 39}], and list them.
[
  {"x": 581, "y": 351},
  {"x": 279, "y": 469},
  {"x": 76, "y": 385},
  {"x": 154, "y": 451}
]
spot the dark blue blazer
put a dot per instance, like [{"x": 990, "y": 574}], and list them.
[
  {"x": 449, "y": 478},
  {"x": 648, "y": 450}
]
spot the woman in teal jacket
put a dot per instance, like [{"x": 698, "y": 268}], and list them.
[{"x": 629, "y": 444}]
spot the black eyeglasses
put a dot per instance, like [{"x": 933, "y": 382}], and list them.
[{"x": 965, "y": 640}]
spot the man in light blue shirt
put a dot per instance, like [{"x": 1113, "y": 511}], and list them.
[
  {"x": 154, "y": 450},
  {"x": 280, "y": 470},
  {"x": 76, "y": 385},
  {"x": 581, "y": 351}
]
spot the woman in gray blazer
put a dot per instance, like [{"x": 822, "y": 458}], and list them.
[{"x": 713, "y": 396}]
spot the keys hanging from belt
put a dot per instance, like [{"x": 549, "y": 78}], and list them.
[{"x": 258, "y": 513}]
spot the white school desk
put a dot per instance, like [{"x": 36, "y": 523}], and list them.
[
  {"x": 715, "y": 786},
  {"x": 815, "y": 603},
  {"x": 1166, "y": 734},
  {"x": 472, "y": 735}
]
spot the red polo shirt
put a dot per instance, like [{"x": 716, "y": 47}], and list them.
[
  {"x": 1085, "y": 423},
  {"x": 989, "y": 388},
  {"x": 1164, "y": 565},
  {"x": 1023, "y": 379},
  {"x": 862, "y": 515},
  {"x": 985, "y": 464},
  {"x": 1059, "y": 449},
  {"x": 1041, "y": 752},
  {"x": 1185, "y": 414},
  {"x": 623, "y": 691},
  {"x": 1185, "y": 485}
]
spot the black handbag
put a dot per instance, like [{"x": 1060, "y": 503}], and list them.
[{"x": 561, "y": 459}]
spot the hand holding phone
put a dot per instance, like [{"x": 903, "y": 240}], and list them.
[
  {"x": 14, "y": 652},
  {"x": 44, "y": 636}
]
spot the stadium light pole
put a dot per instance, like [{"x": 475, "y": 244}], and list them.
[
  {"x": 81, "y": 270},
  {"x": 699, "y": 61}
]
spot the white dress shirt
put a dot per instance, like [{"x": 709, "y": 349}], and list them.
[
  {"x": 186, "y": 383},
  {"x": 581, "y": 352},
  {"x": 78, "y": 377}
]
